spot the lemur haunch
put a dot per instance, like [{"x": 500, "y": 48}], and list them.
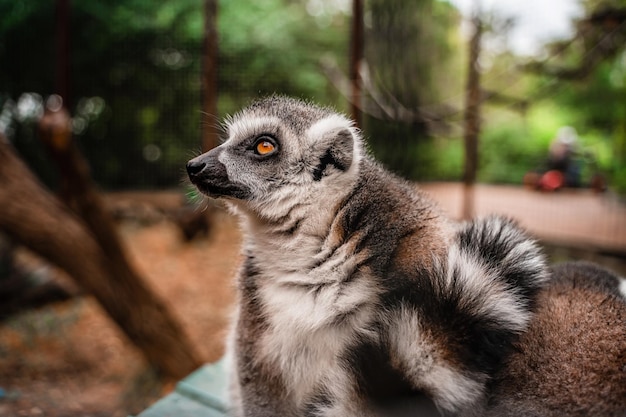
[{"x": 356, "y": 295}]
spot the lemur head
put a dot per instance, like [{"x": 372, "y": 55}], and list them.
[{"x": 279, "y": 150}]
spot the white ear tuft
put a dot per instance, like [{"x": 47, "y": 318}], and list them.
[
  {"x": 337, "y": 134},
  {"x": 329, "y": 124}
]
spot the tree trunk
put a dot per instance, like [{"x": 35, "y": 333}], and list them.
[
  {"x": 210, "y": 48},
  {"x": 472, "y": 120},
  {"x": 356, "y": 59},
  {"x": 62, "y": 59},
  {"x": 39, "y": 221}
]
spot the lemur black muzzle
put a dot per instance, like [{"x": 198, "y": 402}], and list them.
[{"x": 211, "y": 177}]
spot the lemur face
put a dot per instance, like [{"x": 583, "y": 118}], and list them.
[{"x": 277, "y": 148}]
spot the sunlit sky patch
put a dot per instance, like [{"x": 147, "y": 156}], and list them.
[{"x": 537, "y": 21}]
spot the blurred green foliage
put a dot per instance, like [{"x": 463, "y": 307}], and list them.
[
  {"x": 275, "y": 46},
  {"x": 135, "y": 85},
  {"x": 135, "y": 75}
]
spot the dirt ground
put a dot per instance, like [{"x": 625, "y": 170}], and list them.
[{"x": 69, "y": 359}]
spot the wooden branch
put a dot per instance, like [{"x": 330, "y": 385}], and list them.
[
  {"x": 33, "y": 217},
  {"x": 497, "y": 97}
]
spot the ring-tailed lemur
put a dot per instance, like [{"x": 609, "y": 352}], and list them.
[{"x": 355, "y": 292}]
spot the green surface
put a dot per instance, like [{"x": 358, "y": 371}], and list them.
[{"x": 203, "y": 393}]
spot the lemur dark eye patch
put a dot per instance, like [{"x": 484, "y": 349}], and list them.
[{"x": 327, "y": 159}]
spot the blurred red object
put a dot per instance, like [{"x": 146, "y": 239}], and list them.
[{"x": 552, "y": 180}]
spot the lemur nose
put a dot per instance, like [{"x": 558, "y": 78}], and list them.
[{"x": 195, "y": 167}]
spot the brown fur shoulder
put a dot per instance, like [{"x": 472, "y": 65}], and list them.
[{"x": 572, "y": 360}]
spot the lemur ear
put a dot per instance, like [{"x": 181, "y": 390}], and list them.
[
  {"x": 339, "y": 152},
  {"x": 342, "y": 148}
]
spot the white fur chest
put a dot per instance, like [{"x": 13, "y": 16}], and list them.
[{"x": 315, "y": 315}]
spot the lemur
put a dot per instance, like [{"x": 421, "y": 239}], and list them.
[{"x": 357, "y": 296}]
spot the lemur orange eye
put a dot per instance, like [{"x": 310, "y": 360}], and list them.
[{"x": 264, "y": 146}]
